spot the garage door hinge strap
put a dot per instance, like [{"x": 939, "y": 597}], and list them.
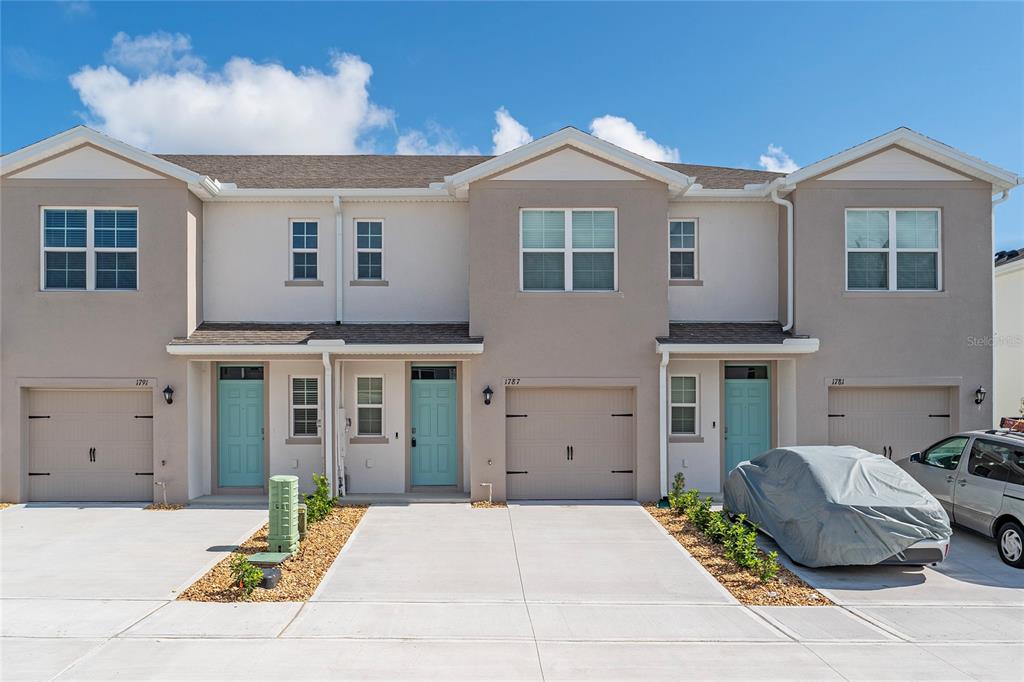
[
  {"x": 837, "y": 415},
  {"x": 144, "y": 473},
  {"x": 939, "y": 415},
  {"x": 516, "y": 472},
  {"x": 623, "y": 414},
  {"x": 35, "y": 473},
  {"x": 39, "y": 416},
  {"x": 143, "y": 416},
  {"x": 513, "y": 416},
  {"x": 622, "y": 471}
]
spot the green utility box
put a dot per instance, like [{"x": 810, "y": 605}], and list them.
[{"x": 284, "y": 514}]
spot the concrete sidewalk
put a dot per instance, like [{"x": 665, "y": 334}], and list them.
[{"x": 535, "y": 591}]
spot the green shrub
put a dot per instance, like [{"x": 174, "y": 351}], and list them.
[
  {"x": 245, "y": 575},
  {"x": 318, "y": 505},
  {"x": 718, "y": 527},
  {"x": 768, "y": 568}
]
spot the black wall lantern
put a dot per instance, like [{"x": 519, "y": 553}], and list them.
[
  {"x": 169, "y": 395},
  {"x": 979, "y": 395},
  {"x": 488, "y": 392}
]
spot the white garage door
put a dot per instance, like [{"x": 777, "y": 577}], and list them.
[
  {"x": 90, "y": 445},
  {"x": 570, "y": 443},
  {"x": 889, "y": 421}
]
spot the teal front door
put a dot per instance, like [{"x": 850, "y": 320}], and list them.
[
  {"x": 240, "y": 429},
  {"x": 434, "y": 432},
  {"x": 747, "y": 420}
]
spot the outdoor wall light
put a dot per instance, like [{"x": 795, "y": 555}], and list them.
[
  {"x": 169, "y": 395},
  {"x": 979, "y": 395},
  {"x": 488, "y": 392}
]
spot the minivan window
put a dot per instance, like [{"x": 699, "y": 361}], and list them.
[
  {"x": 1015, "y": 468},
  {"x": 989, "y": 460},
  {"x": 946, "y": 455}
]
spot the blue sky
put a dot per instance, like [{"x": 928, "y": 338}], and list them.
[{"x": 704, "y": 83}]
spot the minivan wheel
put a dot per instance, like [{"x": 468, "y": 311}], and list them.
[{"x": 1010, "y": 542}]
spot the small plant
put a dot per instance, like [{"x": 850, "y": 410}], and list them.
[
  {"x": 718, "y": 527},
  {"x": 675, "y": 496},
  {"x": 768, "y": 568},
  {"x": 319, "y": 504},
  {"x": 245, "y": 575}
]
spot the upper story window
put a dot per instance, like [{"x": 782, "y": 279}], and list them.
[
  {"x": 305, "y": 242},
  {"x": 682, "y": 249},
  {"x": 892, "y": 249},
  {"x": 369, "y": 249},
  {"x": 585, "y": 261},
  {"x": 89, "y": 249}
]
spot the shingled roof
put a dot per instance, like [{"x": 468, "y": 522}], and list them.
[
  {"x": 292, "y": 171},
  {"x": 299, "y": 333},
  {"x": 724, "y": 332}
]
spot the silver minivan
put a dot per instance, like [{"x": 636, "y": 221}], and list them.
[{"x": 978, "y": 476}]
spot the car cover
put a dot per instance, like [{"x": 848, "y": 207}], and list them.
[{"x": 835, "y": 506}]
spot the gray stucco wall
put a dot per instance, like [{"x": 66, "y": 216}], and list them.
[
  {"x": 569, "y": 338},
  {"x": 81, "y": 336},
  {"x": 893, "y": 335}
]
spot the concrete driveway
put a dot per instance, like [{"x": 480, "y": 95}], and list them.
[{"x": 535, "y": 591}]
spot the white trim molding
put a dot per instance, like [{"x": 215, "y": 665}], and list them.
[
  {"x": 787, "y": 347},
  {"x": 318, "y": 347}
]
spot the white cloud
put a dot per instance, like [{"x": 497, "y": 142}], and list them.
[
  {"x": 622, "y": 132},
  {"x": 436, "y": 140},
  {"x": 160, "y": 51},
  {"x": 244, "y": 108},
  {"x": 509, "y": 134},
  {"x": 75, "y": 8},
  {"x": 777, "y": 161}
]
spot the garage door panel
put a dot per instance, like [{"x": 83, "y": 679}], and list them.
[
  {"x": 544, "y": 422},
  {"x": 90, "y": 445},
  {"x": 905, "y": 419}
]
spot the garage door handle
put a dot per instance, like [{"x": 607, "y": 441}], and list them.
[
  {"x": 566, "y": 453},
  {"x": 92, "y": 454}
]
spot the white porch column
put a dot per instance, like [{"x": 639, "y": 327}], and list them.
[
  {"x": 663, "y": 421},
  {"x": 329, "y": 423}
]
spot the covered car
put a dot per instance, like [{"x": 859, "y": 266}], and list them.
[{"x": 839, "y": 506}]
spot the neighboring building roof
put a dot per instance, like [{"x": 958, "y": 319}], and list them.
[
  {"x": 298, "y": 333},
  {"x": 724, "y": 332},
  {"x": 295, "y": 171},
  {"x": 1009, "y": 256}
]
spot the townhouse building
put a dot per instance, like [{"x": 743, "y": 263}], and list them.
[{"x": 567, "y": 320}]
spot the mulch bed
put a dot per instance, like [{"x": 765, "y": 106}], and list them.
[
  {"x": 786, "y": 590},
  {"x": 163, "y": 507},
  {"x": 300, "y": 575},
  {"x": 484, "y": 504},
  {"x": 5, "y": 505}
]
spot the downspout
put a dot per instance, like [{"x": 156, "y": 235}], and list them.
[
  {"x": 789, "y": 256},
  {"x": 663, "y": 421},
  {"x": 329, "y": 424},
  {"x": 995, "y": 374},
  {"x": 339, "y": 259}
]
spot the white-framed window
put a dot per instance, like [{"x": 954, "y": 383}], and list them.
[
  {"x": 370, "y": 406},
  {"x": 682, "y": 248},
  {"x": 683, "y": 401},
  {"x": 89, "y": 249},
  {"x": 305, "y": 240},
  {"x": 893, "y": 249},
  {"x": 369, "y": 249},
  {"x": 585, "y": 261},
  {"x": 305, "y": 406}
]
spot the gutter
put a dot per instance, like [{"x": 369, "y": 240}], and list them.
[
  {"x": 329, "y": 424},
  {"x": 789, "y": 254},
  {"x": 995, "y": 372},
  {"x": 318, "y": 347},
  {"x": 663, "y": 422},
  {"x": 787, "y": 347}
]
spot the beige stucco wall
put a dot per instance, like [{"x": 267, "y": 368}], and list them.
[
  {"x": 377, "y": 467},
  {"x": 568, "y": 338},
  {"x": 1009, "y": 341},
  {"x": 83, "y": 335},
  {"x": 892, "y": 336},
  {"x": 700, "y": 460},
  {"x": 247, "y": 260},
  {"x": 737, "y": 261},
  {"x": 426, "y": 263}
]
